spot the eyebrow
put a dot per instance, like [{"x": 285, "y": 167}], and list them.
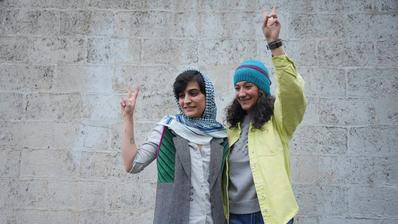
[{"x": 193, "y": 89}]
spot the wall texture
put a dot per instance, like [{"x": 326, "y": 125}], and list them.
[{"x": 65, "y": 63}]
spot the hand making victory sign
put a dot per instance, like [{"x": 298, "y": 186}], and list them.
[
  {"x": 271, "y": 28},
  {"x": 127, "y": 105}
]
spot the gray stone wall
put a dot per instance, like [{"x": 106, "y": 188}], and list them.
[{"x": 65, "y": 63}]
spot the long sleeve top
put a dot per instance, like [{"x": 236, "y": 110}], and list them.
[{"x": 200, "y": 207}]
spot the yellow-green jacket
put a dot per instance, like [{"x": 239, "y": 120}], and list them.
[{"x": 269, "y": 147}]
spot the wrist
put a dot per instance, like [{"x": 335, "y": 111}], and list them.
[
  {"x": 269, "y": 40},
  {"x": 277, "y": 52},
  {"x": 128, "y": 117},
  {"x": 274, "y": 44}
]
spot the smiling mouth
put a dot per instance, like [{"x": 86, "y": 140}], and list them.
[{"x": 244, "y": 100}]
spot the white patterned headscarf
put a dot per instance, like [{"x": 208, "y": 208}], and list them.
[{"x": 206, "y": 123}]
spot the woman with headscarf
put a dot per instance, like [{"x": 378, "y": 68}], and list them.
[{"x": 190, "y": 150}]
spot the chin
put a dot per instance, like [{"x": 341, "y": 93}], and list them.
[
  {"x": 190, "y": 114},
  {"x": 246, "y": 107}
]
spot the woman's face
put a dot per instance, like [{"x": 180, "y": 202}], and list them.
[
  {"x": 192, "y": 101},
  {"x": 247, "y": 95}
]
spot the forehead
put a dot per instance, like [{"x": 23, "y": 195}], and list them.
[
  {"x": 241, "y": 83},
  {"x": 192, "y": 85}
]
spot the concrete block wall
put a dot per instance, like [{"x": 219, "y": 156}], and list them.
[{"x": 65, "y": 63}]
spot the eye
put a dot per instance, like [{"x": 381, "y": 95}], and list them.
[
  {"x": 237, "y": 88},
  {"x": 181, "y": 96},
  {"x": 194, "y": 92},
  {"x": 248, "y": 86}
]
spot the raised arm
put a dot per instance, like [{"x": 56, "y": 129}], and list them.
[
  {"x": 290, "y": 101},
  {"x": 129, "y": 148}
]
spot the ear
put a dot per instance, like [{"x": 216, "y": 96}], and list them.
[{"x": 261, "y": 93}]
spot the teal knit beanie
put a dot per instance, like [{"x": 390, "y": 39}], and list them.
[{"x": 255, "y": 72}]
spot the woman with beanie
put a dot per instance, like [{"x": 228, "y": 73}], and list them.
[
  {"x": 190, "y": 149},
  {"x": 260, "y": 128}
]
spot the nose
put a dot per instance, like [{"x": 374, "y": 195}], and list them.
[
  {"x": 187, "y": 99},
  {"x": 241, "y": 92}
]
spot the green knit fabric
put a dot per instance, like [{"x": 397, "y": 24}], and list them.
[
  {"x": 166, "y": 158},
  {"x": 167, "y": 155}
]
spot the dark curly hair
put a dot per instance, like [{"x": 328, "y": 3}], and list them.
[{"x": 262, "y": 111}]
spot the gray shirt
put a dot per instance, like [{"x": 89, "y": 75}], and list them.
[
  {"x": 242, "y": 192},
  {"x": 200, "y": 207}
]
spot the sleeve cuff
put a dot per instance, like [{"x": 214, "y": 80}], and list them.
[
  {"x": 136, "y": 168},
  {"x": 282, "y": 61}
]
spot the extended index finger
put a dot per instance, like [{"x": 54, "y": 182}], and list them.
[
  {"x": 265, "y": 18},
  {"x": 129, "y": 92},
  {"x": 273, "y": 12},
  {"x": 136, "y": 91}
]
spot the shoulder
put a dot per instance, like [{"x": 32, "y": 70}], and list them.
[{"x": 166, "y": 119}]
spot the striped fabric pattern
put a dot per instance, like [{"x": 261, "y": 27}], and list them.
[
  {"x": 166, "y": 158},
  {"x": 167, "y": 154}
]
